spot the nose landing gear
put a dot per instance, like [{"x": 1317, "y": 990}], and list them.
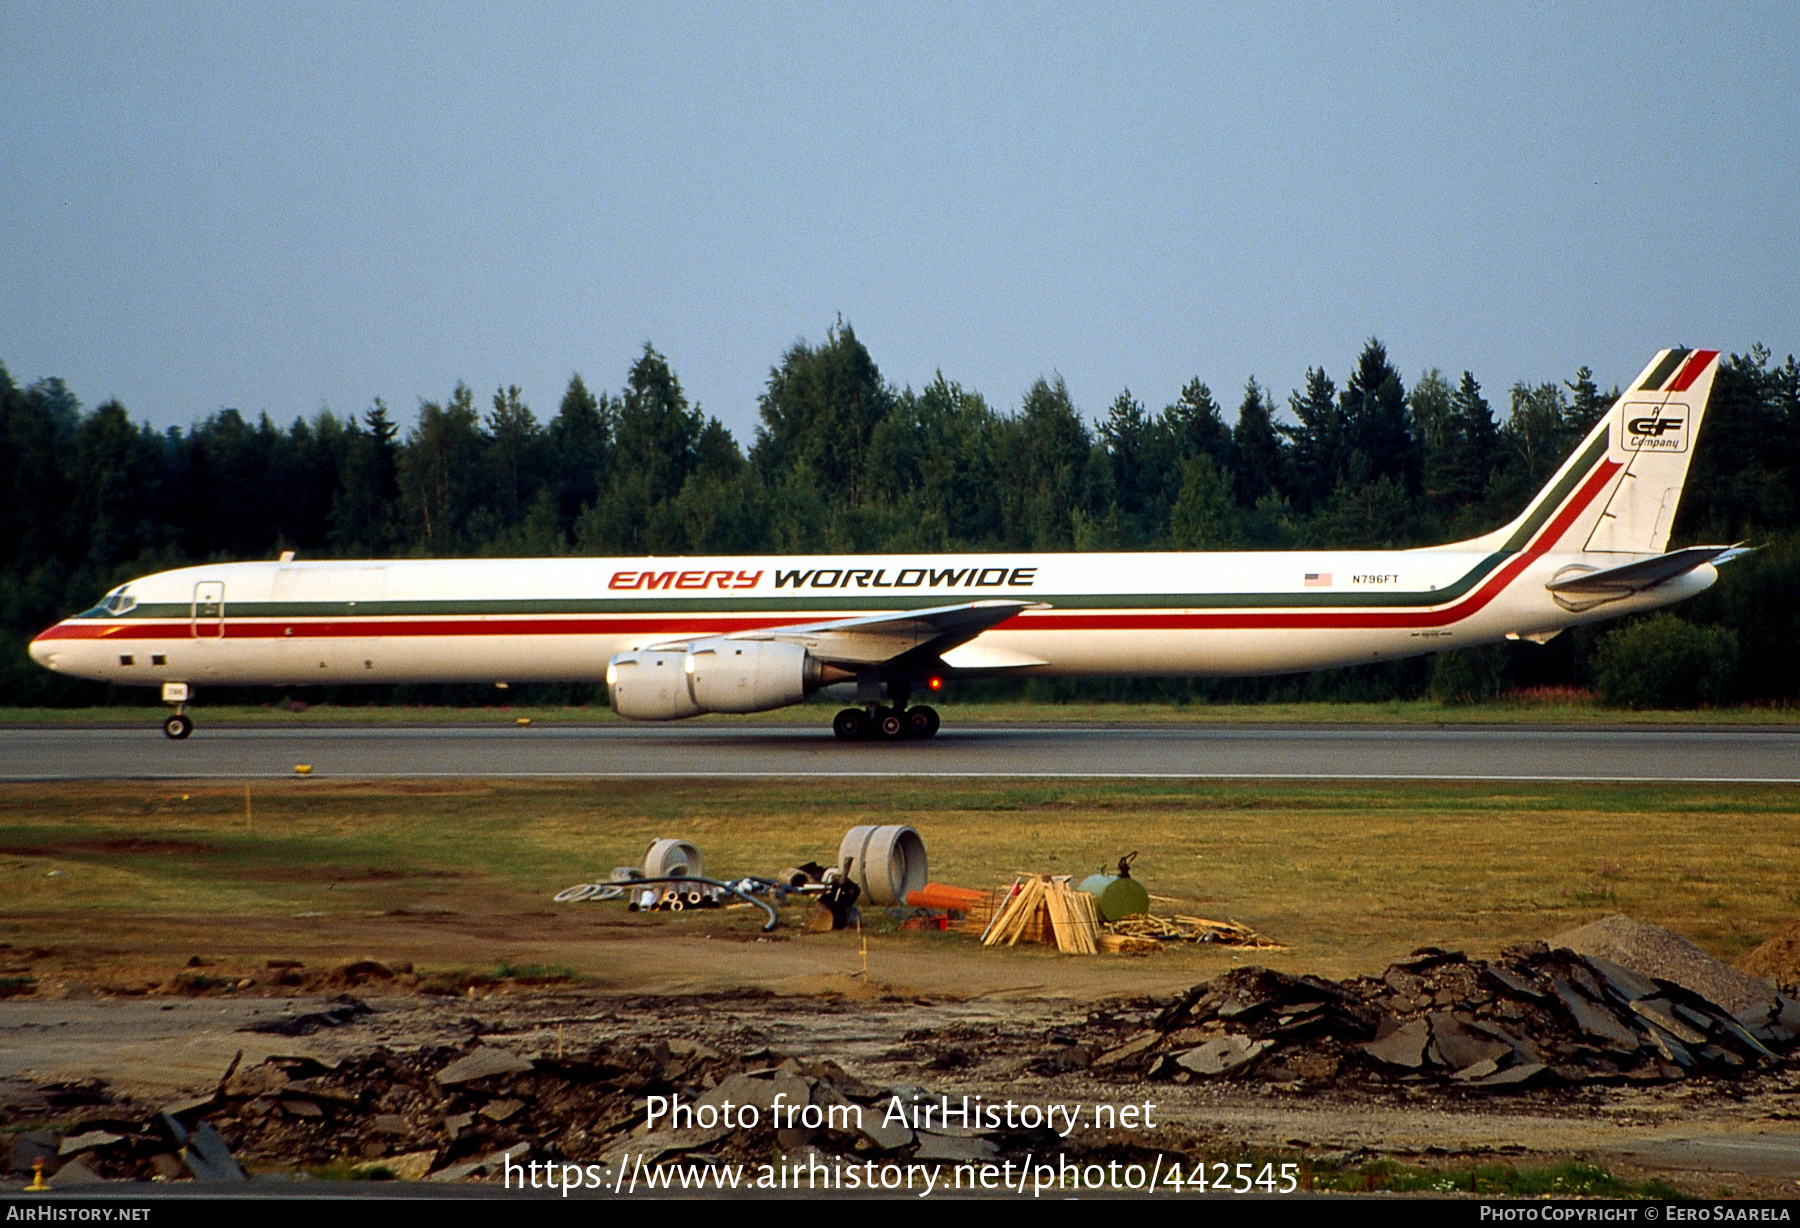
[{"x": 180, "y": 724}]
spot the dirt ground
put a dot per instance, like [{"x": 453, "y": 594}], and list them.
[
  {"x": 144, "y": 929},
  {"x": 152, "y": 1007}
]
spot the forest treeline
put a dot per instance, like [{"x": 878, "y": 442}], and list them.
[{"x": 844, "y": 461}]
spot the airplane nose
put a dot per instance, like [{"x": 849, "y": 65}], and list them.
[{"x": 44, "y": 653}]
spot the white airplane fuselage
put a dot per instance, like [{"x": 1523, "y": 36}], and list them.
[
  {"x": 678, "y": 636},
  {"x": 543, "y": 620}
]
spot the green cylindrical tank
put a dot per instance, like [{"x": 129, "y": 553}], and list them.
[{"x": 1118, "y": 897}]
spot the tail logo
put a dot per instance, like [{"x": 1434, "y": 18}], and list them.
[{"x": 1655, "y": 428}]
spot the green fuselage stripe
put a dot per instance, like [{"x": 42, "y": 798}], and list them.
[{"x": 848, "y": 600}]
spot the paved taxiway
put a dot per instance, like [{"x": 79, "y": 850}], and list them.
[{"x": 1366, "y": 753}]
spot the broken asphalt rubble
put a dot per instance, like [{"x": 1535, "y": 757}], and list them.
[
  {"x": 1567, "y": 1013},
  {"x": 1539, "y": 1015},
  {"x": 452, "y": 1114}
]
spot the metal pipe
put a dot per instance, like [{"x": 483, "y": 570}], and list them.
[{"x": 711, "y": 882}]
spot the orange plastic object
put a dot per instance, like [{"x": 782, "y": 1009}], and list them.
[{"x": 942, "y": 895}]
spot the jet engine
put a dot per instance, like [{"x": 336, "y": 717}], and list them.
[
  {"x": 747, "y": 675},
  {"x": 716, "y": 675},
  {"x": 650, "y": 686}
]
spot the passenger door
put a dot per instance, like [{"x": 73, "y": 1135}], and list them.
[{"x": 209, "y": 610}]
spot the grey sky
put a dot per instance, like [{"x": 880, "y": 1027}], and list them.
[{"x": 316, "y": 205}]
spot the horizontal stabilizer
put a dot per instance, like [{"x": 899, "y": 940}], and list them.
[{"x": 1643, "y": 574}]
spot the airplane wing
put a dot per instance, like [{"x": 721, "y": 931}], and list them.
[
  {"x": 1645, "y": 573},
  {"x": 920, "y": 636}
]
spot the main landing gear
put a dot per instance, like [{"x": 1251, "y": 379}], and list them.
[{"x": 886, "y": 724}]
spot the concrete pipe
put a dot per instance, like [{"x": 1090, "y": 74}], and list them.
[
  {"x": 673, "y": 859},
  {"x": 888, "y": 862}
]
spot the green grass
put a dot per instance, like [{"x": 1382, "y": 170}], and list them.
[
  {"x": 537, "y": 974},
  {"x": 1350, "y": 875}
]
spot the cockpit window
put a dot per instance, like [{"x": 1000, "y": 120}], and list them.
[{"x": 113, "y": 604}]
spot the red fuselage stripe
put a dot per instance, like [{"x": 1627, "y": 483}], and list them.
[{"x": 725, "y": 623}]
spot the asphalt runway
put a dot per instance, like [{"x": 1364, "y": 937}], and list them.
[{"x": 1711, "y": 755}]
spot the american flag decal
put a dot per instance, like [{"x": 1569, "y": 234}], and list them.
[{"x": 1318, "y": 579}]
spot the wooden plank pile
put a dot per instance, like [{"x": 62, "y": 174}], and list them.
[
  {"x": 1191, "y": 929},
  {"x": 978, "y": 918},
  {"x": 1029, "y": 909},
  {"x": 1045, "y": 902},
  {"x": 1114, "y": 943}
]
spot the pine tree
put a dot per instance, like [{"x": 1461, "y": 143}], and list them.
[
  {"x": 1197, "y": 427},
  {"x": 1204, "y": 515},
  {"x": 1256, "y": 447},
  {"x": 365, "y": 507},
  {"x": 1126, "y": 444},
  {"x": 440, "y": 474},
  {"x": 658, "y": 433},
  {"x": 1472, "y": 444},
  {"x": 1536, "y": 432},
  {"x": 1587, "y": 405},
  {"x": 1375, "y": 423},
  {"x": 1317, "y": 437},
  {"x": 515, "y": 461},
  {"x": 820, "y": 411},
  {"x": 580, "y": 445},
  {"x": 1044, "y": 453},
  {"x": 1428, "y": 410}
]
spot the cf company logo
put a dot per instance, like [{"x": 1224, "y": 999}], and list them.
[{"x": 1655, "y": 428}]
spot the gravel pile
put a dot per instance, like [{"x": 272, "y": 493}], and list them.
[{"x": 1650, "y": 950}]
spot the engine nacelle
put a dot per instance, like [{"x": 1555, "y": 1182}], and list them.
[
  {"x": 749, "y": 675},
  {"x": 650, "y": 686}
]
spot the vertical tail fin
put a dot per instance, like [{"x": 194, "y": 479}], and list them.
[
  {"x": 1617, "y": 492},
  {"x": 1652, "y": 430}
]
